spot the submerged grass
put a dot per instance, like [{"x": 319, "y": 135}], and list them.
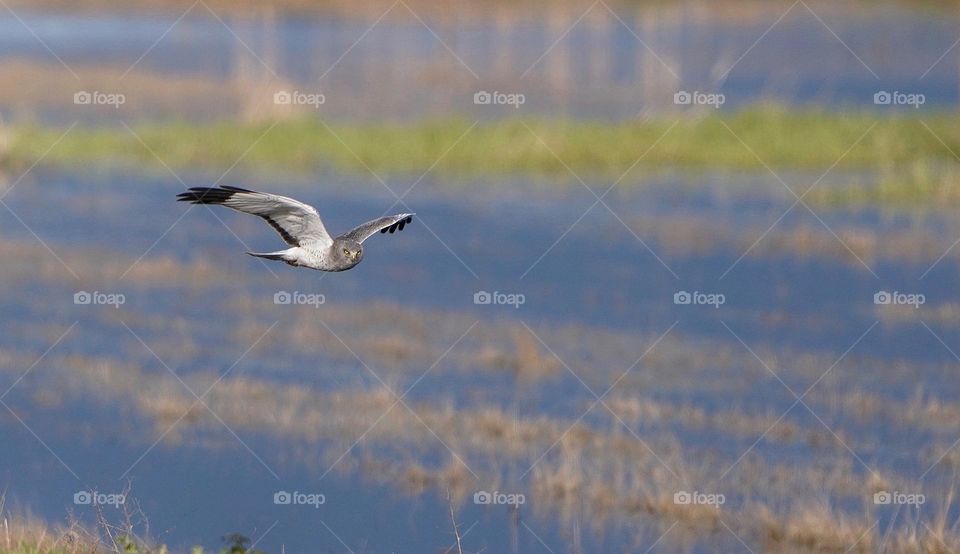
[
  {"x": 750, "y": 139},
  {"x": 571, "y": 464},
  {"x": 921, "y": 184}
]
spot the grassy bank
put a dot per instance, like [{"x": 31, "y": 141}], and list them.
[
  {"x": 780, "y": 138},
  {"x": 913, "y": 154}
]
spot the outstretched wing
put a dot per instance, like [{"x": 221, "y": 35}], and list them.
[
  {"x": 389, "y": 223},
  {"x": 299, "y": 224}
]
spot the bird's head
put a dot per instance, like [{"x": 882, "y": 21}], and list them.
[{"x": 348, "y": 252}]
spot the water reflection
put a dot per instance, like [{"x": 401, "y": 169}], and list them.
[{"x": 605, "y": 63}]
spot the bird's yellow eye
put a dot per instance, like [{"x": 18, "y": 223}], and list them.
[{"x": 346, "y": 252}]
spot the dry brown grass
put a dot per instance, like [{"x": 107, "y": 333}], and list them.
[
  {"x": 947, "y": 314},
  {"x": 595, "y": 463},
  {"x": 640, "y": 410},
  {"x": 31, "y": 536},
  {"x": 48, "y": 86},
  {"x": 690, "y": 236},
  {"x": 527, "y": 359},
  {"x": 607, "y": 469},
  {"x": 93, "y": 265},
  {"x": 23, "y": 533},
  {"x": 814, "y": 528},
  {"x": 920, "y": 411}
]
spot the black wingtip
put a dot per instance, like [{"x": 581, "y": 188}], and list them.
[
  {"x": 209, "y": 195},
  {"x": 397, "y": 226}
]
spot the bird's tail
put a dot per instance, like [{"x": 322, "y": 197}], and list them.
[{"x": 280, "y": 255}]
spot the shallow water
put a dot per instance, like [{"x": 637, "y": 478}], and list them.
[{"x": 783, "y": 304}]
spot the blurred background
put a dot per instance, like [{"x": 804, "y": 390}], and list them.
[{"x": 682, "y": 277}]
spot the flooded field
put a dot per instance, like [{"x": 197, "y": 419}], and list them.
[
  {"x": 705, "y": 354},
  {"x": 391, "y": 392}
]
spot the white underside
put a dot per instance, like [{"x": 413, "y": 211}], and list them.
[{"x": 306, "y": 257}]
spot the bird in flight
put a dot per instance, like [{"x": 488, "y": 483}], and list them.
[{"x": 300, "y": 226}]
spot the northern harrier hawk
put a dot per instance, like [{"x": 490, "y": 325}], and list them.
[{"x": 300, "y": 226}]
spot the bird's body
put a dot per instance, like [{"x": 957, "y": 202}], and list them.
[{"x": 300, "y": 227}]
